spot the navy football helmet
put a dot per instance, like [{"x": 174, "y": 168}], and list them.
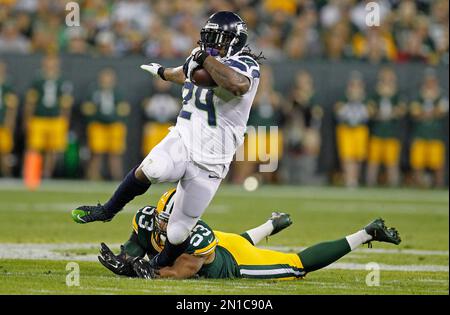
[{"x": 223, "y": 30}]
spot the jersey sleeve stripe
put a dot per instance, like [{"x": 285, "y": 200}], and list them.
[
  {"x": 207, "y": 249},
  {"x": 249, "y": 61},
  {"x": 255, "y": 73},
  {"x": 236, "y": 64}
]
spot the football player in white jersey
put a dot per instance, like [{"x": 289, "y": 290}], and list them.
[{"x": 197, "y": 152}]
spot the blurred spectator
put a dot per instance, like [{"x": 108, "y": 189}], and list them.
[
  {"x": 337, "y": 42},
  {"x": 262, "y": 145},
  {"x": 386, "y": 109},
  {"x": 160, "y": 111},
  {"x": 429, "y": 113},
  {"x": 417, "y": 30},
  {"x": 77, "y": 44},
  {"x": 302, "y": 132},
  {"x": 8, "y": 112},
  {"x": 375, "y": 46},
  {"x": 106, "y": 112},
  {"x": 352, "y": 131},
  {"x": 47, "y": 113},
  {"x": 12, "y": 41}
]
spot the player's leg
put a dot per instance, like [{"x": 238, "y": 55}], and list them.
[
  {"x": 418, "y": 159},
  {"x": 276, "y": 223},
  {"x": 50, "y": 158},
  {"x": 392, "y": 161},
  {"x": 436, "y": 161},
  {"x": 116, "y": 148},
  {"x": 373, "y": 161},
  {"x": 194, "y": 193},
  {"x": 321, "y": 255},
  {"x": 165, "y": 163}
]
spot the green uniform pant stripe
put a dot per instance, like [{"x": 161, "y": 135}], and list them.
[{"x": 270, "y": 271}]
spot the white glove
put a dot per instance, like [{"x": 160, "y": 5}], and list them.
[
  {"x": 152, "y": 68},
  {"x": 190, "y": 65}
]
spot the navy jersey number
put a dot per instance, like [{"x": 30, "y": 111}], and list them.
[{"x": 208, "y": 106}]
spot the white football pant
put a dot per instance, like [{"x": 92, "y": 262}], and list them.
[{"x": 169, "y": 162}]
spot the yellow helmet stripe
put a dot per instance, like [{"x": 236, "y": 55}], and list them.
[
  {"x": 164, "y": 199},
  {"x": 134, "y": 223}
]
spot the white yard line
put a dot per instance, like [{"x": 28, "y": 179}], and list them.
[
  {"x": 51, "y": 252},
  {"x": 353, "y": 266},
  {"x": 372, "y": 251}
]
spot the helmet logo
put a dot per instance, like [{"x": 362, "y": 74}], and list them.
[
  {"x": 213, "y": 26},
  {"x": 241, "y": 27}
]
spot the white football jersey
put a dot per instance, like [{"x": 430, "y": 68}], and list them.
[{"x": 212, "y": 122}]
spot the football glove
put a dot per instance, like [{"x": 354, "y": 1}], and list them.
[
  {"x": 191, "y": 64},
  {"x": 155, "y": 69},
  {"x": 143, "y": 269},
  {"x": 119, "y": 264}
]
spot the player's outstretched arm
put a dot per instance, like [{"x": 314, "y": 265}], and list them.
[
  {"x": 175, "y": 75},
  {"x": 186, "y": 266}
]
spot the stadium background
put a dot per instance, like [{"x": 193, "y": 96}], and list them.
[
  {"x": 293, "y": 36},
  {"x": 37, "y": 235}
]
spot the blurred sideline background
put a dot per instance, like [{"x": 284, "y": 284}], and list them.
[{"x": 355, "y": 105}]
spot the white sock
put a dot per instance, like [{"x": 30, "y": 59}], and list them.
[
  {"x": 358, "y": 239},
  {"x": 259, "y": 233}
]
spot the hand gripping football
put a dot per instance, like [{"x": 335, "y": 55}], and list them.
[{"x": 201, "y": 77}]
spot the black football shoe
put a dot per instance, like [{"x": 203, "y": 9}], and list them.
[
  {"x": 379, "y": 232},
  {"x": 280, "y": 221}
]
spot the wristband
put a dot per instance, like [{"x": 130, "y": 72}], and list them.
[{"x": 161, "y": 73}]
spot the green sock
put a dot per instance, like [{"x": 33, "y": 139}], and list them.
[{"x": 323, "y": 254}]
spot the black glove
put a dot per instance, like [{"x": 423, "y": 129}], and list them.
[
  {"x": 143, "y": 269},
  {"x": 119, "y": 264},
  {"x": 199, "y": 57}
]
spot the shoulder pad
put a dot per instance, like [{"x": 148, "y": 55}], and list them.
[
  {"x": 203, "y": 241},
  {"x": 244, "y": 64}
]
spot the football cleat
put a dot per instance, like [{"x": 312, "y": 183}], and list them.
[
  {"x": 280, "y": 221},
  {"x": 379, "y": 232},
  {"x": 86, "y": 214}
]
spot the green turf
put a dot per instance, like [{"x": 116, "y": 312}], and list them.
[{"x": 319, "y": 214}]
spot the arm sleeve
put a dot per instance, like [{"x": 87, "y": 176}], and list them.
[{"x": 132, "y": 247}]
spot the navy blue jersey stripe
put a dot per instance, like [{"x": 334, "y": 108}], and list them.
[
  {"x": 248, "y": 61},
  {"x": 184, "y": 114},
  {"x": 236, "y": 64}
]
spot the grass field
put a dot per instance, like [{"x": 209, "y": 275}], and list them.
[{"x": 38, "y": 239}]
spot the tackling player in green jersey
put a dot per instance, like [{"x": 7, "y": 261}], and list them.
[{"x": 220, "y": 255}]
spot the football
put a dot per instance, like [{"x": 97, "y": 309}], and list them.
[{"x": 201, "y": 77}]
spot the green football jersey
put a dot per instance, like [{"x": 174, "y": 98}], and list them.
[
  {"x": 48, "y": 94},
  {"x": 353, "y": 113},
  {"x": 385, "y": 125},
  {"x": 4, "y": 90},
  {"x": 203, "y": 240},
  {"x": 223, "y": 266},
  {"x": 434, "y": 128},
  {"x": 107, "y": 106}
]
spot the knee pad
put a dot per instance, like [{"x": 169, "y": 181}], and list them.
[
  {"x": 155, "y": 167},
  {"x": 177, "y": 233}
]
